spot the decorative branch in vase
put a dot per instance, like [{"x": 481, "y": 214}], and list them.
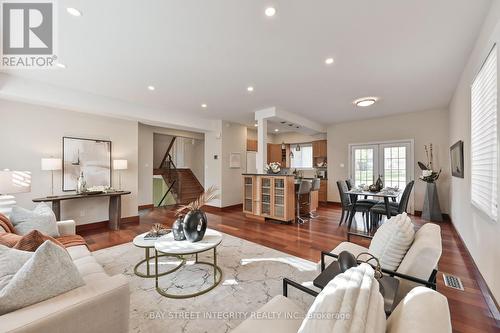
[
  {"x": 428, "y": 174},
  {"x": 431, "y": 209},
  {"x": 191, "y": 222}
]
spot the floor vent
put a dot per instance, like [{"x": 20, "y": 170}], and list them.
[{"x": 453, "y": 281}]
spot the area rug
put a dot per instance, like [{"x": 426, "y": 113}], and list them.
[{"x": 252, "y": 275}]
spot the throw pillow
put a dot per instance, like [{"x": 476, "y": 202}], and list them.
[
  {"x": 9, "y": 239},
  {"x": 5, "y": 224},
  {"x": 392, "y": 240},
  {"x": 10, "y": 262},
  {"x": 48, "y": 273},
  {"x": 32, "y": 240},
  {"x": 41, "y": 218},
  {"x": 352, "y": 302}
]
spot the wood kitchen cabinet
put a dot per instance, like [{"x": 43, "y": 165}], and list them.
[
  {"x": 251, "y": 145},
  {"x": 268, "y": 196},
  {"x": 319, "y": 148},
  {"x": 274, "y": 153},
  {"x": 323, "y": 191}
]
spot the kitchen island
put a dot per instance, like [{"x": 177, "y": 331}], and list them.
[{"x": 272, "y": 196}]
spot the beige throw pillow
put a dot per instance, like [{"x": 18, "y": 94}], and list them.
[{"x": 41, "y": 218}]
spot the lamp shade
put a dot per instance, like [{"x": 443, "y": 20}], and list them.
[
  {"x": 15, "y": 182},
  {"x": 51, "y": 164},
  {"x": 120, "y": 164}
]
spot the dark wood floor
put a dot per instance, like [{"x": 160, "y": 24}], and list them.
[{"x": 469, "y": 310}]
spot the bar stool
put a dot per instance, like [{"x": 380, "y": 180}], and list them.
[
  {"x": 316, "y": 183},
  {"x": 304, "y": 189}
]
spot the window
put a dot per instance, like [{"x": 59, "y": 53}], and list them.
[
  {"x": 302, "y": 158},
  {"x": 484, "y": 144}
]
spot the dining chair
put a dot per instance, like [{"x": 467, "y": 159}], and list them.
[
  {"x": 362, "y": 205},
  {"x": 395, "y": 208}
]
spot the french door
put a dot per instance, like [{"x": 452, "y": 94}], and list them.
[{"x": 392, "y": 161}]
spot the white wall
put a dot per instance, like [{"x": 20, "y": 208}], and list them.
[
  {"x": 234, "y": 140},
  {"x": 424, "y": 127},
  {"x": 478, "y": 232},
  {"x": 145, "y": 165},
  {"x": 213, "y": 160},
  {"x": 31, "y": 132}
]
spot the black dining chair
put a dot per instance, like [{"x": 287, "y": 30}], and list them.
[
  {"x": 395, "y": 208},
  {"x": 362, "y": 205}
]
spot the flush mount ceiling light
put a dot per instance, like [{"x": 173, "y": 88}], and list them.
[
  {"x": 270, "y": 11},
  {"x": 365, "y": 101},
  {"x": 151, "y": 88},
  {"x": 73, "y": 11},
  {"x": 204, "y": 106},
  {"x": 329, "y": 61},
  {"x": 250, "y": 89}
]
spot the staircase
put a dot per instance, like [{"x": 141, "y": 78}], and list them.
[{"x": 182, "y": 182}]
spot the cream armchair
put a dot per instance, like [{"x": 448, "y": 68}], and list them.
[{"x": 418, "y": 266}]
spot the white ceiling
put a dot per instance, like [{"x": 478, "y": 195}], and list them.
[{"x": 408, "y": 53}]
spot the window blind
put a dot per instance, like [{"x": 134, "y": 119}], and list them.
[
  {"x": 484, "y": 144},
  {"x": 303, "y": 157}
]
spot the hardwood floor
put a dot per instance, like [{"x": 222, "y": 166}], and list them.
[{"x": 469, "y": 310}]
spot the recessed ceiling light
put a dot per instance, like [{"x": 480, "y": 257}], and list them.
[
  {"x": 250, "y": 89},
  {"x": 270, "y": 11},
  {"x": 204, "y": 106},
  {"x": 329, "y": 61},
  {"x": 256, "y": 125},
  {"x": 365, "y": 101},
  {"x": 151, "y": 88},
  {"x": 61, "y": 65},
  {"x": 276, "y": 130},
  {"x": 73, "y": 11}
]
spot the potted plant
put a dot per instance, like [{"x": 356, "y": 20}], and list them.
[
  {"x": 194, "y": 223},
  {"x": 431, "y": 210}
]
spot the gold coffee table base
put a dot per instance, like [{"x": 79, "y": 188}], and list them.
[
  {"x": 217, "y": 276},
  {"x": 148, "y": 258}
]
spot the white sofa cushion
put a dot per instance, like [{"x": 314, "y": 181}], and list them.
[
  {"x": 354, "y": 302},
  {"x": 41, "y": 218},
  {"x": 47, "y": 273},
  {"x": 422, "y": 310},
  {"x": 392, "y": 240}
]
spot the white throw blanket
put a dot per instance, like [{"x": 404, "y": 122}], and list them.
[{"x": 350, "y": 303}]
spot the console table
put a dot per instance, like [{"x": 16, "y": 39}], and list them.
[{"x": 115, "y": 204}]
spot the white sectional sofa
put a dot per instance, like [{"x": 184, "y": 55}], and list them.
[{"x": 101, "y": 305}]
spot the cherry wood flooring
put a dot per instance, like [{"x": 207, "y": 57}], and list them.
[{"x": 469, "y": 309}]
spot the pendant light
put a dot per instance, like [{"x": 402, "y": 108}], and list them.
[
  {"x": 297, "y": 148},
  {"x": 283, "y": 145}
]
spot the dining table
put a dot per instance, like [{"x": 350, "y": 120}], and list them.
[{"x": 384, "y": 193}]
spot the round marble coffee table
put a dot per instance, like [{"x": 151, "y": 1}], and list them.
[
  {"x": 148, "y": 244},
  {"x": 166, "y": 245}
]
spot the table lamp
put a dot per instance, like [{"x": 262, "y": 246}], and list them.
[
  {"x": 120, "y": 165},
  {"x": 12, "y": 182},
  {"x": 51, "y": 164}
]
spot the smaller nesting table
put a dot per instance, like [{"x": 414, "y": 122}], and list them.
[{"x": 148, "y": 244}]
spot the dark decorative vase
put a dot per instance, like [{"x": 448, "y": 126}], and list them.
[
  {"x": 379, "y": 185},
  {"x": 178, "y": 229},
  {"x": 195, "y": 225}
]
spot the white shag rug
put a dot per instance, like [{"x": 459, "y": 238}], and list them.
[{"x": 252, "y": 275}]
